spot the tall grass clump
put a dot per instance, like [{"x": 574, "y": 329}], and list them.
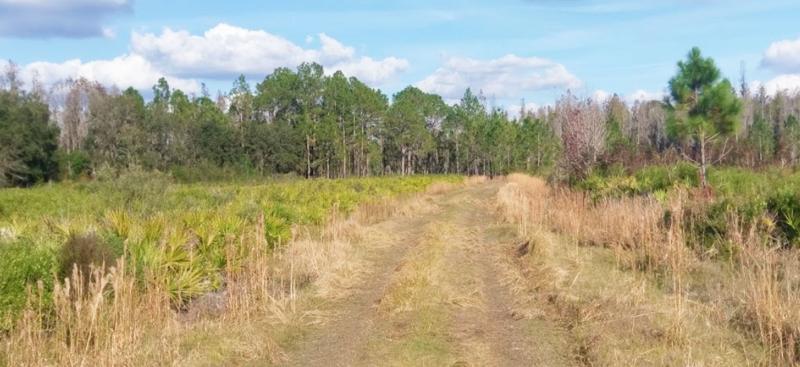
[
  {"x": 753, "y": 290},
  {"x": 95, "y": 318}
]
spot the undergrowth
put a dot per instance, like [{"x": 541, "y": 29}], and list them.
[{"x": 174, "y": 234}]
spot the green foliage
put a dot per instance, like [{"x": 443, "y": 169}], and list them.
[
  {"x": 648, "y": 180},
  {"x": 784, "y": 206},
  {"x": 702, "y": 105},
  {"x": 741, "y": 193},
  {"x": 28, "y": 141},
  {"x": 660, "y": 178},
  {"x": 702, "y": 108},
  {"x": 75, "y": 164},
  {"x": 22, "y": 264},
  {"x": 206, "y": 171},
  {"x": 539, "y": 145},
  {"x": 407, "y": 123},
  {"x": 762, "y": 139},
  {"x": 175, "y": 234},
  {"x": 137, "y": 188}
]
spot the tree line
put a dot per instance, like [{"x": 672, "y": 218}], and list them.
[{"x": 308, "y": 123}]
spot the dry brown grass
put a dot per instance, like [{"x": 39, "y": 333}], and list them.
[
  {"x": 96, "y": 319},
  {"x": 702, "y": 310},
  {"x": 475, "y": 180},
  {"x": 437, "y": 188},
  {"x": 765, "y": 292},
  {"x": 632, "y": 227}
]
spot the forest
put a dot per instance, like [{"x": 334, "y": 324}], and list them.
[{"x": 311, "y": 124}]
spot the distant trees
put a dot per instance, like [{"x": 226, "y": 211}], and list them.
[
  {"x": 411, "y": 119},
  {"x": 701, "y": 106},
  {"x": 310, "y": 123},
  {"x": 28, "y": 142},
  {"x": 538, "y": 145},
  {"x": 584, "y": 132}
]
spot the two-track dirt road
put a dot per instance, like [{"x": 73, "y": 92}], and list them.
[{"x": 437, "y": 290}]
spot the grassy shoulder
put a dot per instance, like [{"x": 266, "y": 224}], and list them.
[
  {"x": 769, "y": 198},
  {"x": 718, "y": 274},
  {"x": 172, "y": 233}
]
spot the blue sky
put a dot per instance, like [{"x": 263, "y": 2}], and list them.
[{"x": 510, "y": 49}]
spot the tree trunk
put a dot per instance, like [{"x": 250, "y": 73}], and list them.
[
  {"x": 308, "y": 156},
  {"x": 403, "y": 161},
  {"x": 344, "y": 151},
  {"x": 703, "y": 161},
  {"x": 458, "y": 166}
]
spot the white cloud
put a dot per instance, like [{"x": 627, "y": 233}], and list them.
[
  {"x": 789, "y": 83},
  {"x": 220, "y": 51},
  {"x": 515, "y": 109},
  {"x": 109, "y": 33},
  {"x": 123, "y": 71},
  {"x": 643, "y": 96},
  {"x": 783, "y": 56},
  {"x": 601, "y": 96},
  {"x": 506, "y": 77},
  {"x": 369, "y": 70},
  {"x": 225, "y": 51},
  {"x": 58, "y": 18},
  {"x": 334, "y": 51}
]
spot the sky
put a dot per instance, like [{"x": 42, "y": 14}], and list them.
[{"x": 508, "y": 50}]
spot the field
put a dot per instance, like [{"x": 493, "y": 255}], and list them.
[
  {"x": 404, "y": 271},
  {"x": 176, "y": 234}
]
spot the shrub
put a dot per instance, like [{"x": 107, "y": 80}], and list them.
[
  {"x": 143, "y": 188},
  {"x": 22, "y": 264},
  {"x": 658, "y": 178},
  {"x": 85, "y": 252},
  {"x": 75, "y": 165},
  {"x": 784, "y": 206}
]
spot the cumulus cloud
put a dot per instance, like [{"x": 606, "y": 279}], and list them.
[
  {"x": 788, "y": 83},
  {"x": 783, "y": 56},
  {"x": 601, "y": 96},
  {"x": 225, "y": 50},
  {"x": 515, "y": 109},
  {"x": 222, "y": 52},
  {"x": 370, "y": 70},
  {"x": 58, "y": 18},
  {"x": 506, "y": 77},
  {"x": 123, "y": 71},
  {"x": 644, "y": 96}
]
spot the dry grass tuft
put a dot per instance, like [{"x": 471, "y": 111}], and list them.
[
  {"x": 654, "y": 295},
  {"x": 765, "y": 293},
  {"x": 99, "y": 319},
  {"x": 475, "y": 180},
  {"x": 437, "y": 188}
]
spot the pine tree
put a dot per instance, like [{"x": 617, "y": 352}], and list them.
[{"x": 701, "y": 107}]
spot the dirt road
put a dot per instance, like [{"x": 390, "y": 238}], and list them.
[{"x": 437, "y": 290}]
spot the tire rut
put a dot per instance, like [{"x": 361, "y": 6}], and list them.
[
  {"x": 341, "y": 340},
  {"x": 436, "y": 294}
]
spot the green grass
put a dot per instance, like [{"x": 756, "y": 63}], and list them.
[{"x": 176, "y": 233}]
